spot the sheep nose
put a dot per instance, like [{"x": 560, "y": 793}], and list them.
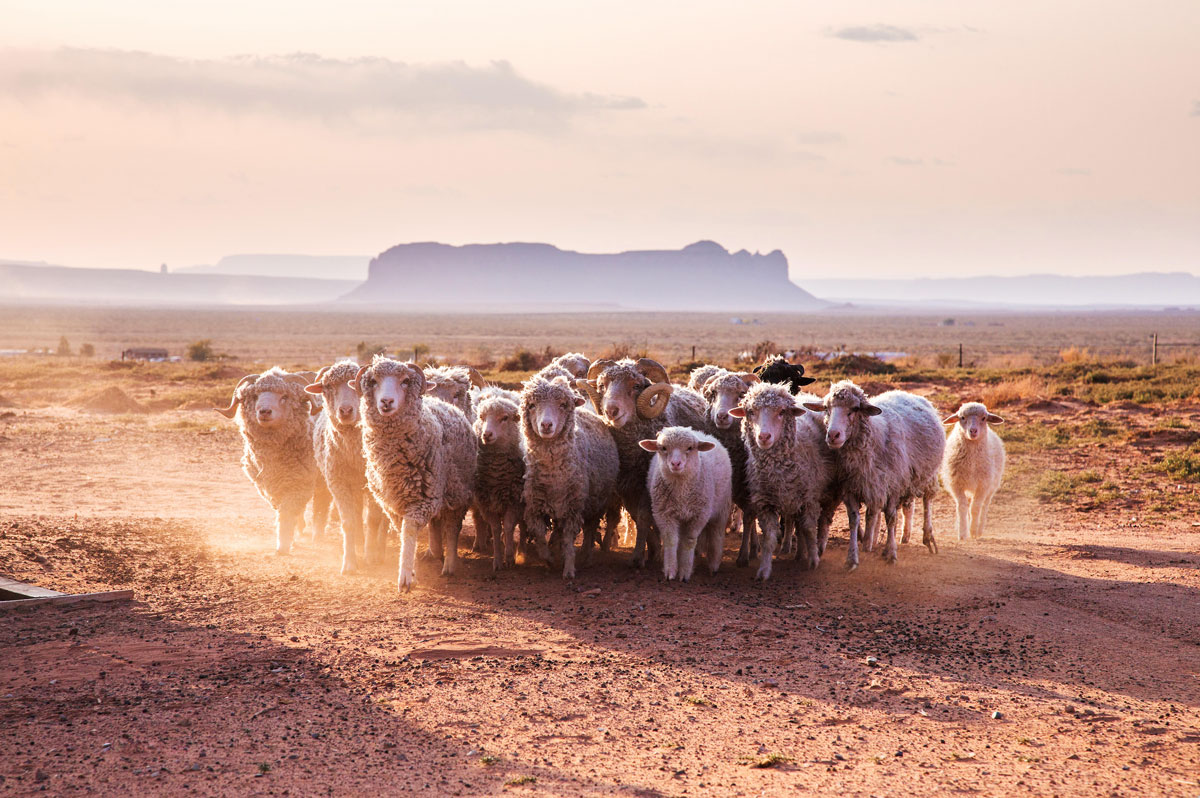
[
  {"x": 764, "y": 438},
  {"x": 547, "y": 426},
  {"x": 834, "y": 436},
  {"x": 611, "y": 410},
  {"x": 488, "y": 436},
  {"x": 722, "y": 418},
  {"x": 345, "y": 411},
  {"x": 264, "y": 413},
  {"x": 386, "y": 404}
]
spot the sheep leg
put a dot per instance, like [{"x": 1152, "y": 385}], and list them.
[
  {"x": 770, "y": 526},
  {"x": 287, "y": 518},
  {"x": 986, "y": 505},
  {"x": 435, "y": 550},
  {"x": 824, "y": 523},
  {"x": 504, "y": 547},
  {"x": 854, "y": 515},
  {"x": 612, "y": 520},
  {"x": 669, "y": 529},
  {"x": 377, "y": 529},
  {"x": 535, "y": 527},
  {"x": 788, "y": 546},
  {"x": 350, "y": 509},
  {"x": 746, "y": 552},
  {"x": 907, "y": 509},
  {"x": 689, "y": 537},
  {"x": 927, "y": 537},
  {"x": 451, "y": 528},
  {"x": 871, "y": 531},
  {"x": 320, "y": 508},
  {"x": 409, "y": 530},
  {"x": 642, "y": 523},
  {"x": 714, "y": 540},
  {"x": 570, "y": 527},
  {"x": 961, "y": 509},
  {"x": 810, "y": 545},
  {"x": 890, "y": 513}
]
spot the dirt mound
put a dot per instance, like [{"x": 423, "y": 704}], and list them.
[
  {"x": 196, "y": 404},
  {"x": 225, "y": 373},
  {"x": 1046, "y": 406},
  {"x": 1166, "y": 437},
  {"x": 6, "y": 402},
  {"x": 1130, "y": 407},
  {"x": 110, "y": 400}
]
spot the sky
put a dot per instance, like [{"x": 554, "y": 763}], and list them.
[{"x": 863, "y": 139}]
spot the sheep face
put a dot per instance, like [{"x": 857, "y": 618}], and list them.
[
  {"x": 776, "y": 369},
  {"x": 389, "y": 388},
  {"x": 576, "y": 363},
  {"x": 452, "y": 385},
  {"x": 846, "y": 409},
  {"x": 269, "y": 400},
  {"x": 724, "y": 392},
  {"x": 768, "y": 414},
  {"x": 341, "y": 402},
  {"x": 678, "y": 450},
  {"x": 496, "y": 423},
  {"x": 548, "y": 407},
  {"x": 619, "y": 391},
  {"x": 973, "y": 418}
]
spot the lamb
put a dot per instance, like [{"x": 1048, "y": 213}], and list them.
[
  {"x": 792, "y": 474},
  {"x": 571, "y": 465},
  {"x": 499, "y": 472},
  {"x": 337, "y": 446},
  {"x": 273, "y": 416},
  {"x": 637, "y": 401},
  {"x": 776, "y": 369},
  {"x": 889, "y": 451},
  {"x": 576, "y": 363},
  {"x": 690, "y": 485},
  {"x": 701, "y": 375},
  {"x": 973, "y": 465},
  {"x": 420, "y": 454},
  {"x": 723, "y": 390}
]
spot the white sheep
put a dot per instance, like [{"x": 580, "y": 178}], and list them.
[
  {"x": 337, "y": 446},
  {"x": 274, "y": 417},
  {"x": 723, "y": 390},
  {"x": 973, "y": 466},
  {"x": 571, "y": 467},
  {"x": 889, "y": 450},
  {"x": 420, "y": 455},
  {"x": 454, "y": 385},
  {"x": 499, "y": 472},
  {"x": 690, "y": 485},
  {"x": 701, "y": 375},
  {"x": 576, "y": 363},
  {"x": 637, "y": 400},
  {"x": 792, "y": 473}
]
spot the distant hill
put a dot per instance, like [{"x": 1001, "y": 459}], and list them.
[
  {"x": 1147, "y": 289},
  {"x": 25, "y": 283},
  {"x": 702, "y": 276},
  {"x": 322, "y": 267}
]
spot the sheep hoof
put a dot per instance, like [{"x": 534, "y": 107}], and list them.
[
  {"x": 742, "y": 561},
  {"x": 889, "y": 558},
  {"x": 851, "y": 565},
  {"x": 349, "y": 568},
  {"x": 568, "y": 573},
  {"x": 404, "y": 585}
]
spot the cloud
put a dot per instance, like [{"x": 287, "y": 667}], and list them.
[
  {"x": 875, "y": 33},
  {"x": 302, "y": 85}
]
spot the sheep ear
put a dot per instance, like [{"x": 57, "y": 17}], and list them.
[
  {"x": 795, "y": 411},
  {"x": 871, "y": 410},
  {"x": 429, "y": 387},
  {"x": 650, "y": 445},
  {"x": 953, "y": 419},
  {"x": 804, "y": 380},
  {"x": 994, "y": 419},
  {"x": 816, "y": 407},
  {"x": 316, "y": 387},
  {"x": 706, "y": 446},
  {"x": 580, "y": 401},
  {"x": 738, "y": 412}
]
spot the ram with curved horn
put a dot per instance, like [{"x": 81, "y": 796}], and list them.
[
  {"x": 637, "y": 400},
  {"x": 272, "y": 413}
]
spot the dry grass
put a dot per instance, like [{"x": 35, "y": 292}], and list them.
[{"x": 1017, "y": 389}]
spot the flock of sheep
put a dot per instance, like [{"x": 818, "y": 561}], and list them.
[{"x": 583, "y": 441}]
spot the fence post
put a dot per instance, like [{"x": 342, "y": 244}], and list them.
[
  {"x": 1154, "y": 350},
  {"x": 693, "y": 353},
  {"x": 960, "y": 355}
]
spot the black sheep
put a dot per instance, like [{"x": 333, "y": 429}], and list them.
[{"x": 775, "y": 369}]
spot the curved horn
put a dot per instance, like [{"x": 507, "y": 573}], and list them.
[
  {"x": 476, "y": 378},
  {"x": 653, "y": 370},
  {"x": 300, "y": 378},
  {"x": 652, "y": 402},
  {"x": 597, "y": 367},
  {"x": 590, "y": 392},
  {"x": 748, "y": 377},
  {"x": 231, "y": 411},
  {"x": 354, "y": 384}
]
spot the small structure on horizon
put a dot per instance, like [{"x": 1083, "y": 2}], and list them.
[{"x": 148, "y": 353}]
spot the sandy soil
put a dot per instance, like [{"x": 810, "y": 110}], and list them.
[{"x": 1058, "y": 656}]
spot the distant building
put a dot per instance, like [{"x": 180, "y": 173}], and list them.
[{"x": 151, "y": 354}]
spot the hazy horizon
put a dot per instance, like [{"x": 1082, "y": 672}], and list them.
[{"x": 872, "y": 140}]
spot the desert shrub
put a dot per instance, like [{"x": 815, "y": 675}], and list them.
[
  {"x": 87, "y": 350},
  {"x": 764, "y": 349},
  {"x": 618, "y": 351},
  {"x": 481, "y": 358},
  {"x": 1063, "y": 487},
  {"x": 946, "y": 359},
  {"x": 365, "y": 351},
  {"x": 1074, "y": 354},
  {"x": 1017, "y": 389},
  {"x": 419, "y": 351},
  {"x": 863, "y": 364},
  {"x": 64, "y": 347},
  {"x": 200, "y": 351},
  {"x": 526, "y": 360},
  {"x": 1183, "y": 466}
]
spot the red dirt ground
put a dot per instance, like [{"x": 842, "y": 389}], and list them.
[{"x": 238, "y": 672}]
